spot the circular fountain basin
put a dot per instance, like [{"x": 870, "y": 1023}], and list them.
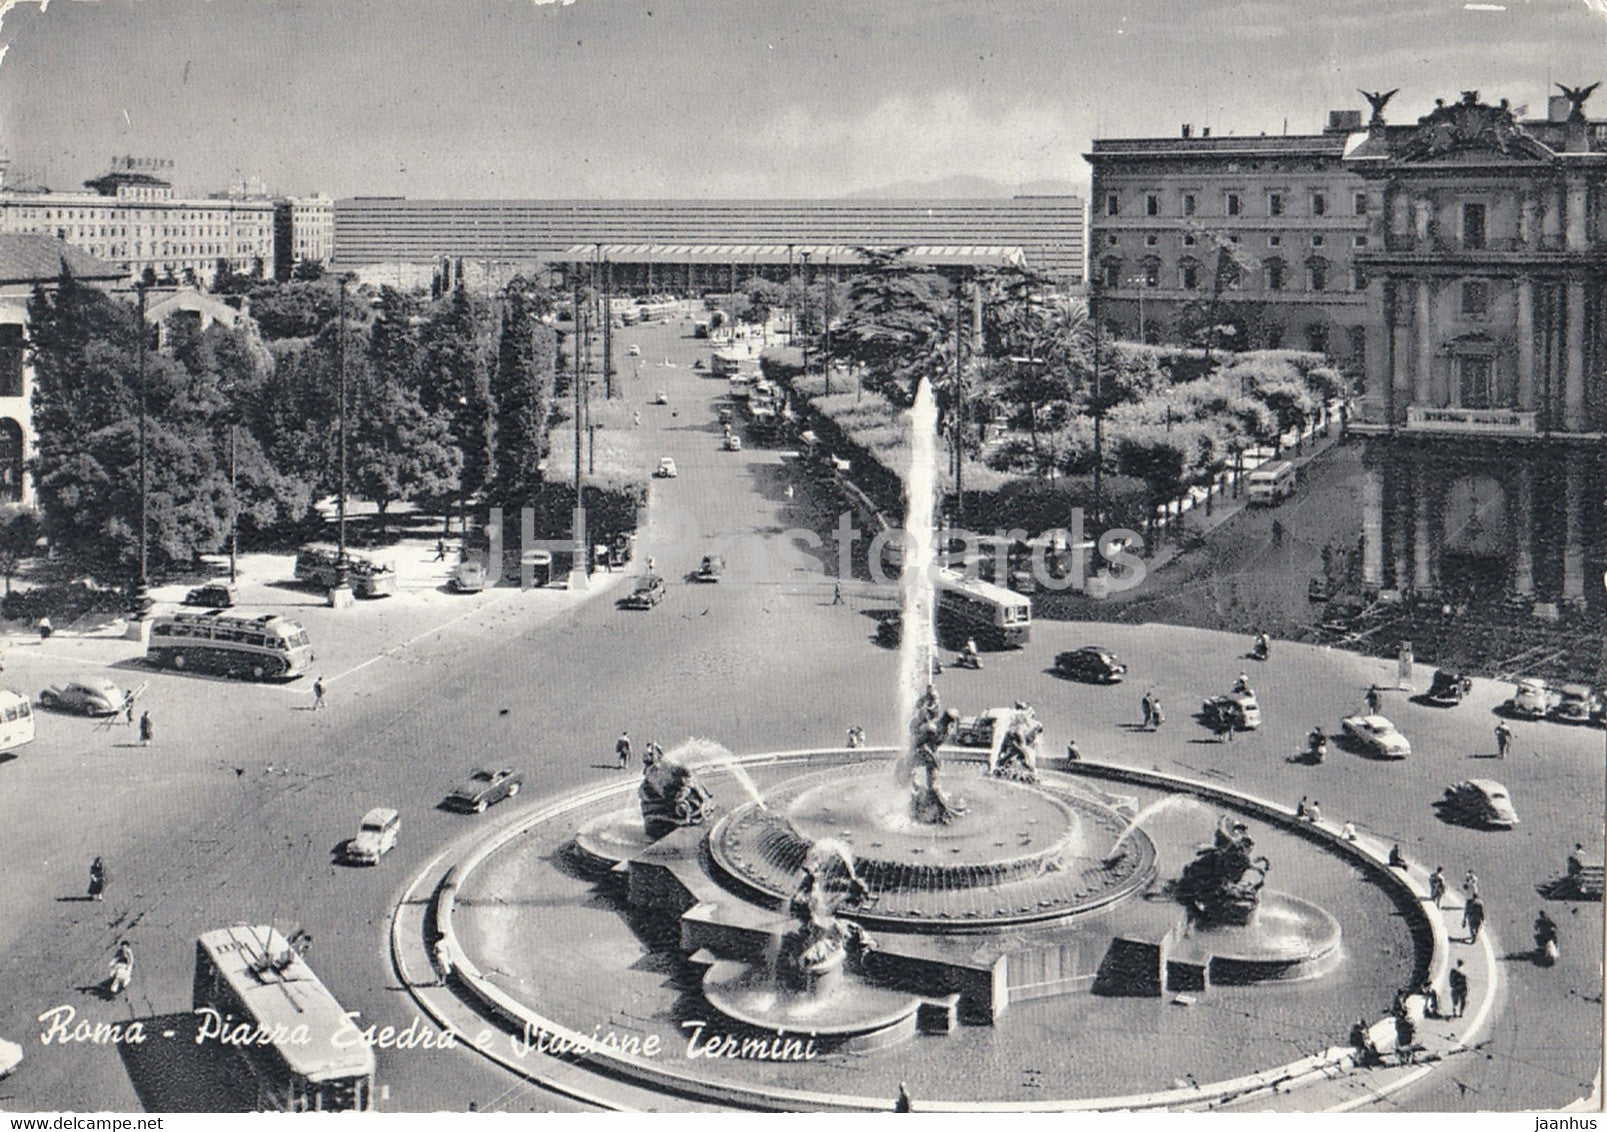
[
  {"x": 1018, "y": 853},
  {"x": 848, "y": 1013},
  {"x": 608, "y": 839},
  {"x": 1286, "y": 939}
]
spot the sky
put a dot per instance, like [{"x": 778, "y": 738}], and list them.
[{"x": 724, "y": 98}]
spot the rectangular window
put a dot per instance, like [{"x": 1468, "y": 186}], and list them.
[
  {"x": 1188, "y": 241},
  {"x": 1274, "y": 241},
  {"x": 1358, "y": 345},
  {"x": 1152, "y": 205},
  {"x": 1275, "y": 275},
  {"x": 1234, "y": 204},
  {"x": 1359, "y": 206},
  {"x": 1319, "y": 204},
  {"x": 1476, "y": 376},
  {"x": 1473, "y": 226},
  {"x": 1316, "y": 241},
  {"x": 1358, "y": 278},
  {"x": 1113, "y": 205},
  {"x": 1189, "y": 204},
  {"x": 1317, "y": 275},
  {"x": 1475, "y": 298},
  {"x": 1274, "y": 204},
  {"x": 1360, "y": 241},
  {"x": 1151, "y": 240},
  {"x": 1189, "y": 276}
]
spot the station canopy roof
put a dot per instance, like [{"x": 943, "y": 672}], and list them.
[{"x": 915, "y": 255}]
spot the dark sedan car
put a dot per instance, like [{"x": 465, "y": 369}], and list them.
[
  {"x": 216, "y": 595},
  {"x": 1090, "y": 664},
  {"x": 1448, "y": 688},
  {"x": 485, "y": 788},
  {"x": 649, "y": 592}
]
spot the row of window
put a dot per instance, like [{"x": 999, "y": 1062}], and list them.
[
  {"x": 1319, "y": 202},
  {"x": 108, "y": 213},
  {"x": 1191, "y": 275},
  {"x": 1318, "y": 240}
]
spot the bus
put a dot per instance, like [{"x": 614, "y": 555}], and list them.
[
  {"x": 657, "y": 309},
  {"x": 269, "y": 647},
  {"x": 16, "y": 720},
  {"x": 1271, "y": 484},
  {"x": 971, "y": 608},
  {"x": 251, "y": 976},
  {"x": 724, "y": 364},
  {"x": 316, "y": 563}
]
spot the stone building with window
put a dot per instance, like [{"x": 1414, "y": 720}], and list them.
[
  {"x": 1265, "y": 230},
  {"x": 1486, "y": 414}
]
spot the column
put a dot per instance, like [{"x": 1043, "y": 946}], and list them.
[
  {"x": 1400, "y": 353},
  {"x": 1399, "y": 520},
  {"x": 1422, "y": 531},
  {"x": 1551, "y": 217},
  {"x": 1523, "y": 531},
  {"x": 1577, "y": 201},
  {"x": 1372, "y": 527},
  {"x": 1573, "y": 388},
  {"x": 1527, "y": 229},
  {"x": 1423, "y": 378},
  {"x": 1525, "y": 400},
  {"x": 1573, "y": 550}
]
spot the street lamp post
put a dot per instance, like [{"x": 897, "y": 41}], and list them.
[
  {"x": 141, "y": 605},
  {"x": 234, "y": 499},
  {"x": 1099, "y": 409},
  {"x": 340, "y": 594}
]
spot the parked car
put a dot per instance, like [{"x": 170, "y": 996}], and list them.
[
  {"x": 1480, "y": 801},
  {"x": 649, "y": 592},
  {"x": 1577, "y": 703},
  {"x": 634, "y": 351},
  {"x": 666, "y": 469},
  {"x": 469, "y": 577},
  {"x": 1377, "y": 736},
  {"x": 485, "y": 788},
  {"x": 1090, "y": 664},
  {"x": 725, "y": 414},
  {"x": 214, "y": 595},
  {"x": 317, "y": 564},
  {"x": 732, "y": 442},
  {"x": 85, "y": 697},
  {"x": 710, "y": 569},
  {"x": 662, "y": 398},
  {"x": 376, "y": 836},
  {"x": 1533, "y": 699},
  {"x": 1237, "y": 709},
  {"x": 1448, "y": 688},
  {"x": 978, "y": 730}
]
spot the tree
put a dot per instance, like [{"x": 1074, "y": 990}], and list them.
[
  {"x": 898, "y": 327},
  {"x": 19, "y": 539},
  {"x": 523, "y": 390},
  {"x": 308, "y": 271},
  {"x": 1228, "y": 265},
  {"x": 455, "y": 385},
  {"x": 1046, "y": 347},
  {"x": 396, "y": 449}
]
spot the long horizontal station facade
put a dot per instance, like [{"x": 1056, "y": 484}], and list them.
[
  {"x": 696, "y": 268},
  {"x": 384, "y": 230}
]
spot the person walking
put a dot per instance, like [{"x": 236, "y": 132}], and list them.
[
  {"x": 837, "y": 593},
  {"x": 1374, "y": 700},
  {"x": 1458, "y": 981},
  {"x": 128, "y": 708},
  {"x": 1503, "y": 739},
  {"x": 1155, "y": 716},
  {"x": 1473, "y": 918},
  {"x": 318, "y": 694},
  {"x": 440, "y": 550},
  {"x": 147, "y": 731},
  {"x": 1224, "y": 729},
  {"x": 622, "y": 750},
  {"x": 97, "y": 878},
  {"x": 1436, "y": 885},
  {"x": 45, "y": 629},
  {"x": 1470, "y": 885},
  {"x": 122, "y": 967},
  {"x": 1149, "y": 710}
]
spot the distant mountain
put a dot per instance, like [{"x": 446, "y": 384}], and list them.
[{"x": 966, "y": 186}]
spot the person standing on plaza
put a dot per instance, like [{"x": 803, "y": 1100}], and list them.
[
  {"x": 318, "y": 694},
  {"x": 1436, "y": 885},
  {"x": 97, "y": 878},
  {"x": 1503, "y": 739},
  {"x": 1374, "y": 700},
  {"x": 1458, "y": 981},
  {"x": 1473, "y": 918},
  {"x": 1149, "y": 710},
  {"x": 622, "y": 750},
  {"x": 128, "y": 708},
  {"x": 1470, "y": 885},
  {"x": 45, "y": 629},
  {"x": 122, "y": 968},
  {"x": 1155, "y": 716},
  {"x": 147, "y": 730}
]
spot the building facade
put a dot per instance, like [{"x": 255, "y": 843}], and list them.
[
  {"x": 1487, "y": 414},
  {"x": 312, "y": 227},
  {"x": 134, "y": 220},
  {"x": 491, "y": 234},
  {"x": 1258, "y": 234}
]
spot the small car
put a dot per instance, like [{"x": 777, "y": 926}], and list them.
[
  {"x": 662, "y": 398},
  {"x": 1090, "y": 664},
  {"x": 86, "y": 697},
  {"x": 634, "y": 351},
  {"x": 1480, "y": 801},
  {"x": 1448, "y": 688},
  {"x": 649, "y": 592},
  {"x": 1238, "y": 709},
  {"x": 1377, "y": 736},
  {"x": 666, "y": 469},
  {"x": 732, "y": 442},
  {"x": 469, "y": 577},
  {"x": 214, "y": 595},
  {"x": 1532, "y": 699},
  {"x": 1577, "y": 703},
  {"x": 376, "y": 836},
  {"x": 710, "y": 569},
  {"x": 726, "y": 416},
  {"x": 484, "y": 788}
]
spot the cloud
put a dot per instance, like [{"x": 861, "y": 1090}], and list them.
[{"x": 918, "y": 138}]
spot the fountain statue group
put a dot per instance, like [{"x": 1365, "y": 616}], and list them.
[
  {"x": 813, "y": 950},
  {"x": 929, "y": 730},
  {"x": 671, "y": 796},
  {"x": 1222, "y": 885},
  {"x": 1015, "y": 754}
]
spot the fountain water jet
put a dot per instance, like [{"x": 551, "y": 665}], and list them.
[{"x": 918, "y": 642}]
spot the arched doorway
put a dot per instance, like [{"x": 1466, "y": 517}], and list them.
[{"x": 1475, "y": 548}]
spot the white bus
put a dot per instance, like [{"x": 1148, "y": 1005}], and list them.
[
  {"x": 16, "y": 720},
  {"x": 971, "y": 608},
  {"x": 269, "y": 647},
  {"x": 252, "y": 976},
  {"x": 1271, "y": 484}
]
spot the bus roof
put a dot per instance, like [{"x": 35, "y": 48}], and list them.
[
  {"x": 1267, "y": 471},
  {"x": 8, "y": 697},
  {"x": 976, "y": 587},
  {"x": 281, "y": 990}
]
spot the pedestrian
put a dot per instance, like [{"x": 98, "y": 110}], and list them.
[
  {"x": 904, "y": 1103},
  {"x": 146, "y": 730},
  {"x": 45, "y": 629},
  {"x": 1436, "y": 885},
  {"x": 837, "y": 593},
  {"x": 1397, "y": 859},
  {"x": 122, "y": 968},
  {"x": 1503, "y": 739},
  {"x": 1470, "y": 885},
  {"x": 318, "y": 694},
  {"x": 1473, "y": 918},
  {"x": 651, "y": 565},
  {"x": 128, "y": 708},
  {"x": 1156, "y": 718},
  {"x": 1224, "y": 729},
  {"x": 1072, "y": 753},
  {"x": 1149, "y": 710},
  {"x": 636, "y": 419},
  {"x": 1405, "y": 1037},
  {"x": 1458, "y": 982},
  {"x": 1374, "y": 700},
  {"x": 1348, "y": 831},
  {"x": 97, "y": 878},
  {"x": 1314, "y": 811},
  {"x": 651, "y": 753},
  {"x": 622, "y": 750},
  {"x": 1302, "y": 808},
  {"x": 440, "y": 550}
]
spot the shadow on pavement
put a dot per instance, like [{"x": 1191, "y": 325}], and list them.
[{"x": 172, "y": 1072}]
